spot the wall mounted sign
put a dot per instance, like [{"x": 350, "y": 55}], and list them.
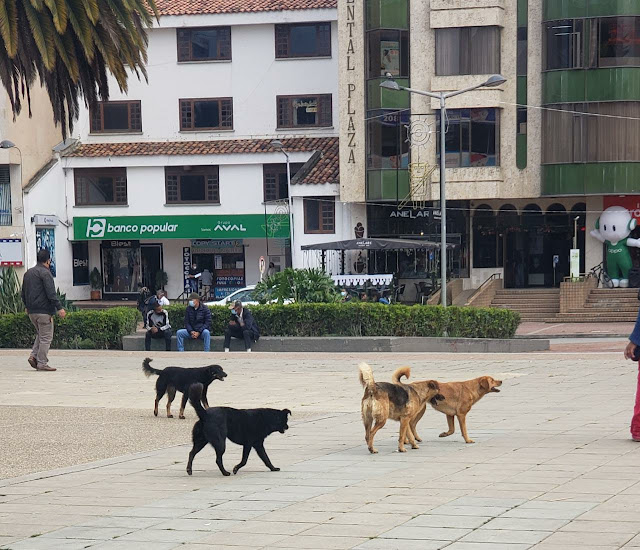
[{"x": 11, "y": 253}]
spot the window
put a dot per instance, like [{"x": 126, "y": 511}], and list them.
[
  {"x": 619, "y": 41},
  {"x": 192, "y": 184},
  {"x": 485, "y": 238},
  {"x": 275, "y": 180},
  {"x": 303, "y": 40},
  {"x": 304, "y": 111},
  {"x": 320, "y": 215},
  {"x": 388, "y": 53},
  {"x": 472, "y": 138},
  {"x": 116, "y": 116},
  {"x": 468, "y": 50},
  {"x": 575, "y": 136},
  {"x": 522, "y": 61},
  {"x": 5, "y": 196},
  {"x": 100, "y": 186},
  {"x": 204, "y": 44},
  {"x": 388, "y": 139},
  {"x": 563, "y": 44},
  {"x": 206, "y": 114}
]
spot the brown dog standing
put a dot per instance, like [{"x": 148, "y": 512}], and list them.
[
  {"x": 401, "y": 402},
  {"x": 459, "y": 397}
]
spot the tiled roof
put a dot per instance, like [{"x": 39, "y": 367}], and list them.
[
  {"x": 322, "y": 167},
  {"x": 196, "y": 7},
  {"x": 214, "y": 147}
]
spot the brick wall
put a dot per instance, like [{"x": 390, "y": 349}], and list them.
[
  {"x": 573, "y": 295},
  {"x": 486, "y": 294}
]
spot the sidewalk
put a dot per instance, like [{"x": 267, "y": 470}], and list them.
[
  {"x": 552, "y": 468},
  {"x": 574, "y": 330}
]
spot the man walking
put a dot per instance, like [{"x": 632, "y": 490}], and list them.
[
  {"x": 159, "y": 327},
  {"x": 632, "y": 351},
  {"x": 242, "y": 326},
  {"x": 197, "y": 322},
  {"x": 42, "y": 303}
]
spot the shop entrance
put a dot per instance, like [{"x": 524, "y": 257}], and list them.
[
  {"x": 125, "y": 264},
  {"x": 221, "y": 264},
  {"x": 151, "y": 255}
]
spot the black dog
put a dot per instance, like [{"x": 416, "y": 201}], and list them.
[
  {"x": 178, "y": 378},
  {"x": 246, "y": 427}
]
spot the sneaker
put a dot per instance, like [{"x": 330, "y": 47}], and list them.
[
  {"x": 635, "y": 439},
  {"x": 33, "y": 362},
  {"x": 46, "y": 368},
  {"x": 249, "y": 350},
  {"x": 226, "y": 350}
]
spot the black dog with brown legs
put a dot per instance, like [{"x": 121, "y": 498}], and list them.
[
  {"x": 174, "y": 379},
  {"x": 246, "y": 427}
]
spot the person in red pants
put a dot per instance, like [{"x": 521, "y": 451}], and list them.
[{"x": 632, "y": 351}]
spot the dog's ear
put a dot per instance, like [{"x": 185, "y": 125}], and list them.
[
  {"x": 484, "y": 383},
  {"x": 433, "y": 385},
  {"x": 286, "y": 411}
]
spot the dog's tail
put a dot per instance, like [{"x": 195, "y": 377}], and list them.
[
  {"x": 195, "y": 398},
  {"x": 366, "y": 377},
  {"x": 148, "y": 369},
  {"x": 398, "y": 374}
]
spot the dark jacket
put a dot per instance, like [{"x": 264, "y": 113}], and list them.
[
  {"x": 197, "y": 319},
  {"x": 635, "y": 335},
  {"x": 249, "y": 323},
  {"x": 39, "y": 291}
]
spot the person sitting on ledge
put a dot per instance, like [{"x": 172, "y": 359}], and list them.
[
  {"x": 197, "y": 322},
  {"x": 242, "y": 326},
  {"x": 159, "y": 327}
]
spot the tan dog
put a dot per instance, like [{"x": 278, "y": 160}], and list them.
[
  {"x": 400, "y": 402},
  {"x": 459, "y": 397}
]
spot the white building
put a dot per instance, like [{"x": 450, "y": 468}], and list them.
[{"x": 182, "y": 168}]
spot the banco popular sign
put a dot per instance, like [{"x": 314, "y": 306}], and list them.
[{"x": 250, "y": 226}]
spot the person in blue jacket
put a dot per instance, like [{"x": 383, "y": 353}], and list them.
[{"x": 197, "y": 322}]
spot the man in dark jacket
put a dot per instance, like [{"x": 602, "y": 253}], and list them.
[
  {"x": 159, "y": 327},
  {"x": 242, "y": 326},
  {"x": 42, "y": 303},
  {"x": 197, "y": 322}
]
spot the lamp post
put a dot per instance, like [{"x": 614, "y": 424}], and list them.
[
  {"x": 277, "y": 144},
  {"x": 6, "y": 144},
  {"x": 492, "y": 81}
]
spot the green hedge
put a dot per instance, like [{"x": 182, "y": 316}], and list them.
[
  {"x": 93, "y": 329},
  {"x": 362, "y": 319}
]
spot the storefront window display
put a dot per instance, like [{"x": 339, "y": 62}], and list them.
[
  {"x": 224, "y": 260},
  {"x": 121, "y": 265}
]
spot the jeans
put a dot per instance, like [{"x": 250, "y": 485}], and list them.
[
  {"x": 205, "y": 335},
  {"x": 44, "y": 335},
  {"x": 166, "y": 334},
  {"x": 635, "y": 421},
  {"x": 238, "y": 332}
]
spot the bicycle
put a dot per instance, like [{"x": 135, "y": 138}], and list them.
[{"x": 598, "y": 272}]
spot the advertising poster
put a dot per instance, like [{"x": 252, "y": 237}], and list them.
[
  {"x": 80, "y": 264},
  {"x": 46, "y": 239},
  {"x": 11, "y": 252},
  {"x": 390, "y": 57}
]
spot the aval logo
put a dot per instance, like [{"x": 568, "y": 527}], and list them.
[
  {"x": 229, "y": 227},
  {"x": 96, "y": 228}
]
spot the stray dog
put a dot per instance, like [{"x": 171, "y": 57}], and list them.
[
  {"x": 459, "y": 397},
  {"x": 178, "y": 378},
  {"x": 246, "y": 427},
  {"x": 401, "y": 402}
]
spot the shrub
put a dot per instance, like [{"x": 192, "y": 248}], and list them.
[
  {"x": 299, "y": 285},
  {"x": 367, "y": 319},
  {"x": 93, "y": 329}
]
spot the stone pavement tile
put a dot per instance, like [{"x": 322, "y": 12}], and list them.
[
  {"x": 196, "y": 546},
  {"x": 557, "y": 496},
  {"x": 358, "y": 518},
  {"x": 40, "y": 543},
  {"x": 162, "y": 535},
  {"x": 135, "y": 545},
  {"x": 314, "y": 505},
  {"x": 335, "y": 530},
  {"x": 133, "y": 523},
  {"x": 292, "y": 514},
  {"x": 23, "y": 531},
  {"x": 598, "y": 486},
  {"x": 404, "y": 544},
  {"x": 525, "y": 524},
  {"x": 591, "y": 526},
  {"x": 573, "y": 539},
  {"x": 94, "y": 533},
  {"x": 427, "y": 533},
  {"x": 437, "y": 520},
  {"x": 151, "y": 512},
  {"x": 634, "y": 542},
  {"x": 316, "y": 543},
  {"x": 488, "y": 501},
  {"x": 609, "y": 515},
  {"x": 502, "y": 536},
  {"x": 256, "y": 540},
  {"x": 451, "y": 510},
  {"x": 544, "y": 546},
  {"x": 256, "y": 505},
  {"x": 487, "y": 546},
  {"x": 216, "y": 513},
  {"x": 208, "y": 525},
  {"x": 270, "y": 527}
]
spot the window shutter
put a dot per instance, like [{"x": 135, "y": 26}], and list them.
[
  {"x": 120, "y": 189},
  {"x": 184, "y": 45},
  {"x": 172, "y": 188},
  {"x": 282, "y": 41},
  {"x": 186, "y": 114},
  {"x": 135, "y": 115},
  {"x": 328, "y": 215},
  {"x": 284, "y": 112},
  {"x": 226, "y": 113},
  {"x": 96, "y": 118},
  {"x": 324, "y": 110},
  {"x": 324, "y": 39},
  {"x": 224, "y": 42},
  {"x": 213, "y": 186}
]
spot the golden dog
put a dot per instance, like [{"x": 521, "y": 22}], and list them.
[
  {"x": 400, "y": 402},
  {"x": 459, "y": 397}
]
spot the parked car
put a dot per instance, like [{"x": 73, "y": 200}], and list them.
[{"x": 245, "y": 295}]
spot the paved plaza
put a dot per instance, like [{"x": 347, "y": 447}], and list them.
[{"x": 84, "y": 464}]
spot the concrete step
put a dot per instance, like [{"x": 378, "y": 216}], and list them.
[
  {"x": 532, "y": 309},
  {"x": 582, "y": 317},
  {"x": 527, "y": 292}
]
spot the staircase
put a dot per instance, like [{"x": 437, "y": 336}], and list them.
[
  {"x": 605, "y": 306},
  {"x": 538, "y": 305}
]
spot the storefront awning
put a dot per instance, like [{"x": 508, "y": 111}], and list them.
[{"x": 376, "y": 244}]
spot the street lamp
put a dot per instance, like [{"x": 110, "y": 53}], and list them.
[
  {"x": 390, "y": 84},
  {"x": 277, "y": 144},
  {"x": 6, "y": 144}
]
